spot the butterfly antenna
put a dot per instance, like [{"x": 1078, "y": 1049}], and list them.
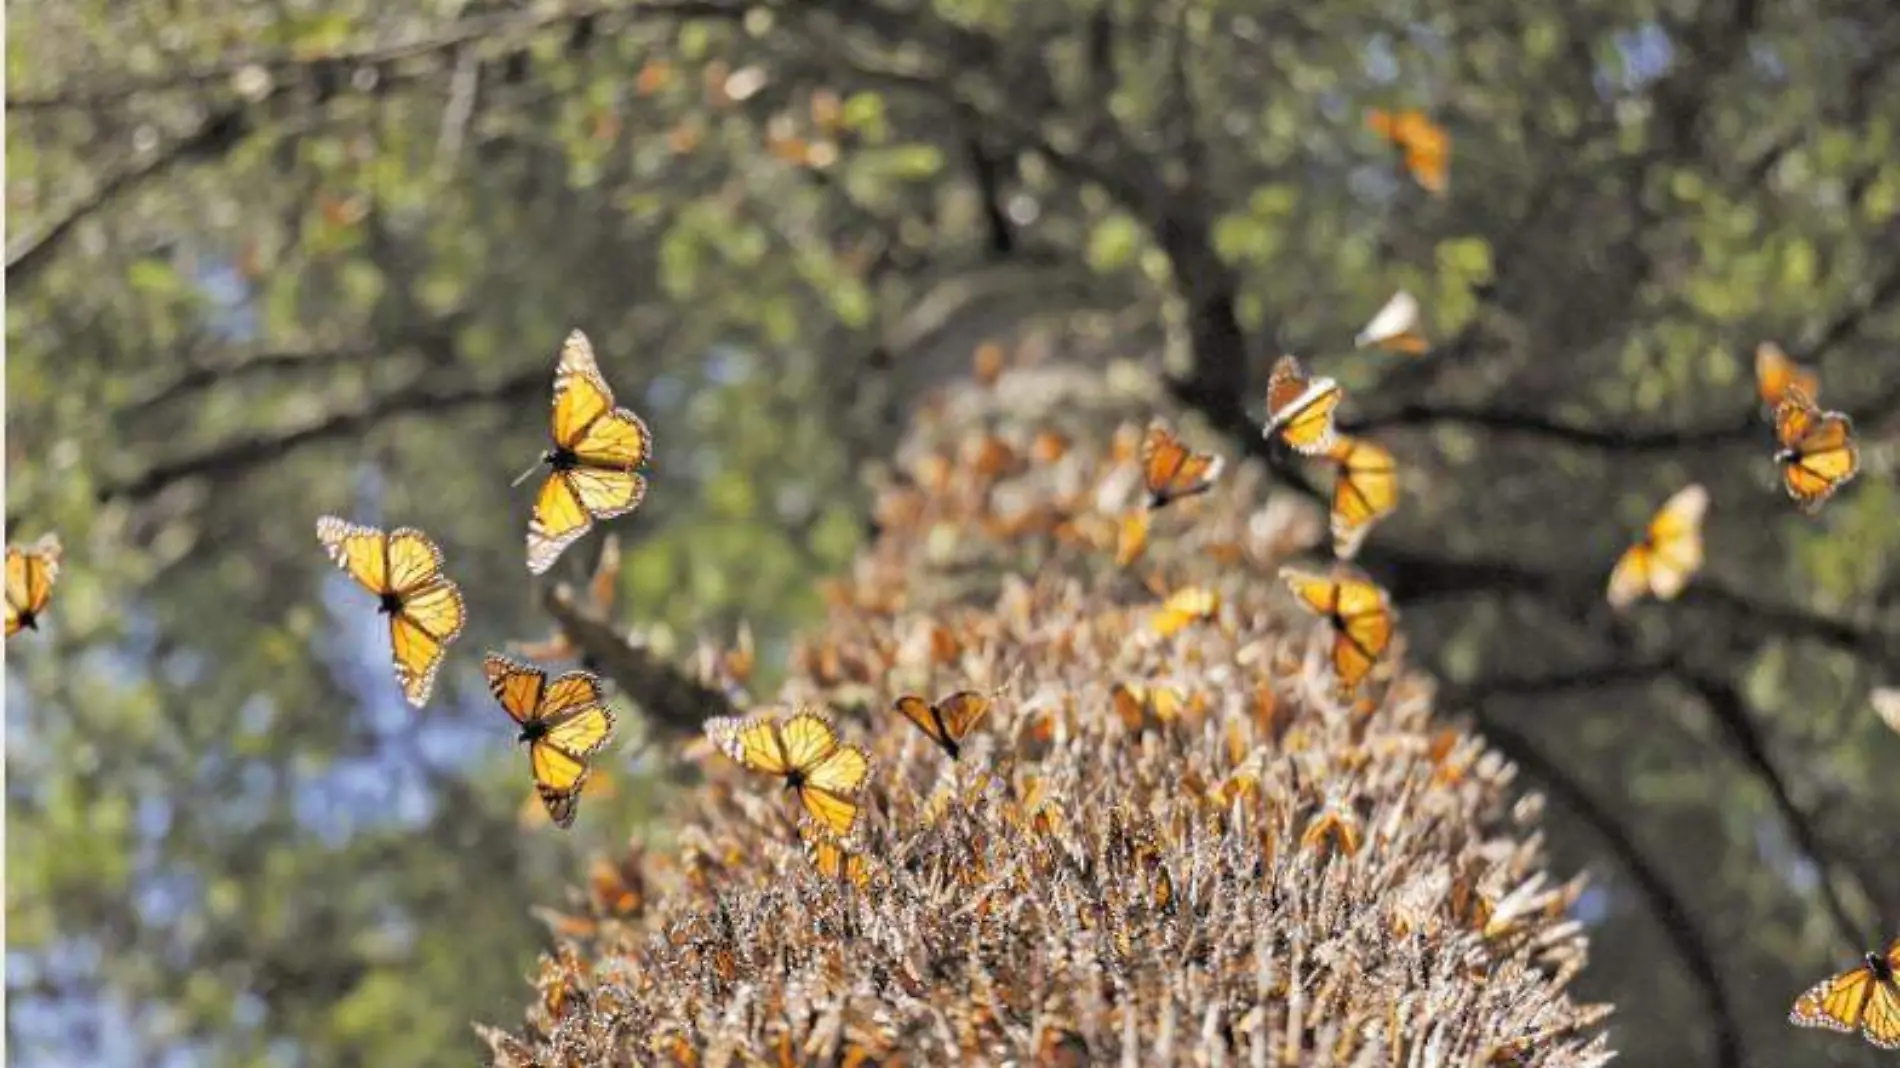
[{"x": 523, "y": 476}]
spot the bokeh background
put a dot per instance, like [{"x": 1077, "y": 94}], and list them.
[{"x": 270, "y": 260}]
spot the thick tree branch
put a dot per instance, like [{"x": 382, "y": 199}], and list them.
[
  {"x": 670, "y": 698},
  {"x": 1730, "y": 712},
  {"x": 1672, "y": 913}
]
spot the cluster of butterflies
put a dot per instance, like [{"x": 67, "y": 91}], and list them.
[
  {"x": 595, "y": 465},
  {"x": 594, "y": 473},
  {"x": 1817, "y": 454}
]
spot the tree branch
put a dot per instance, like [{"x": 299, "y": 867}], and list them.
[
  {"x": 670, "y": 698},
  {"x": 246, "y": 452},
  {"x": 1672, "y": 913},
  {"x": 283, "y": 64},
  {"x": 216, "y": 135},
  {"x": 1730, "y": 712}
]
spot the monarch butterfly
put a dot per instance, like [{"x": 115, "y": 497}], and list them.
[
  {"x": 563, "y": 723},
  {"x": 1182, "y": 607},
  {"x": 1171, "y": 470},
  {"x": 1776, "y": 374},
  {"x": 1365, "y": 490},
  {"x": 403, "y": 568},
  {"x": 1818, "y": 454},
  {"x": 1669, "y": 554},
  {"x": 1866, "y": 998},
  {"x": 1360, "y": 615},
  {"x": 834, "y": 861},
  {"x": 806, "y": 752},
  {"x": 597, "y": 449},
  {"x": 1426, "y": 145},
  {"x": 1300, "y": 409},
  {"x": 1395, "y": 327},
  {"x": 30, "y": 575},
  {"x": 947, "y": 721}
]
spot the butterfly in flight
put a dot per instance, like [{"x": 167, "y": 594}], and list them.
[
  {"x": 403, "y": 568},
  {"x": 1300, "y": 409},
  {"x": 1395, "y": 327},
  {"x": 804, "y": 749},
  {"x": 1670, "y": 553},
  {"x": 562, "y": 722},
  {"x": 30, "y": 575},
  {"x": 1360, "y": 615},
  {"x": 1425, "y": 144},
  {"x": 1818, "y": 454},
  {"x": 947, "y": 721},
  {"x": 594, "y": 464},
  {"x": 1864, "y": 999},
  {"x": 1365, "y": 490},
  {"x": 1776, "y": 374},
  {"x": 1171, "y": 470}
]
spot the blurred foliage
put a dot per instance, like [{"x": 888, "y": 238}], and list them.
[{"x": 268, "y": 261}]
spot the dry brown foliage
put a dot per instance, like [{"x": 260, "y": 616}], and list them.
[{"x": 1227, "y": 864}]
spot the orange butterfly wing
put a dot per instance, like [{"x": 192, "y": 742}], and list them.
[
  {"x": 1818, "y": 452},
  {"x": 1300, "y": 410},
  {"x": 1170, "y": 470},
  {"x": 1365, "y": 490}
]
